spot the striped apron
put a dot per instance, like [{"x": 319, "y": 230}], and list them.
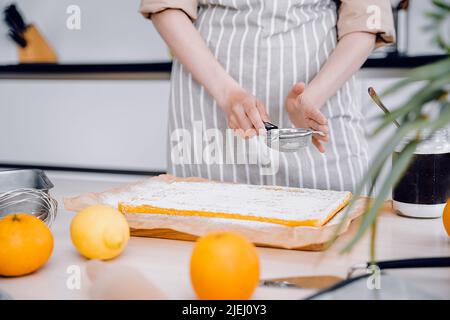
[{"x": 268, "y": 46}]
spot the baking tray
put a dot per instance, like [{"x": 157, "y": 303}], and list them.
[{"x": 25, "y": 179}]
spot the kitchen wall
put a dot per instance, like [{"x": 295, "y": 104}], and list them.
[
  {"x": 420, "y": 42},
  {"x": 114, "y": 31},
  {"x": 111, "y": 31}
]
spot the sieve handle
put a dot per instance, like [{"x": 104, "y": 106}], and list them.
[{"x": 270, "y": 126}]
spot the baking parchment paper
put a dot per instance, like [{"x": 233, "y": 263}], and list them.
[{"x": 262, "y": 233}]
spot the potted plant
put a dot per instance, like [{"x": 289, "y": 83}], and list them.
[{"x": 435, "y": 83}]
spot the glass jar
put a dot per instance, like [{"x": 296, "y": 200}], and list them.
[{"x": 425, "y": 187}]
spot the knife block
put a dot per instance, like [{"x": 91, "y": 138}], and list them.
[{"x": 37, "y": 50}]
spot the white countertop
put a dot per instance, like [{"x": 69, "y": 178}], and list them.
[{"x": 166, "y": 262}]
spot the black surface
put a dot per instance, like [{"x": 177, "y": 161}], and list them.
[
  {"x": 434, "y": 262},
  {"x": 226, "y": 309},
  {"x": 426, "y": 181},
  {"x": 77, "y": 169},
  {"x": 55, "y": 68},
  {"x": 402, "y": 61}
]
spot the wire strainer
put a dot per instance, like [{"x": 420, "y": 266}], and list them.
[
  {"x": 289, "y": 139},
  {"x": 28, "y": 200}
]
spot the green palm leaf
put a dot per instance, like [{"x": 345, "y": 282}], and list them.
[
  {"x": 442, "y": 4},
  {"x": 397, "y": 171},
  {"x": 400, "y": 166},
  {"x": 435, "y": 79}
]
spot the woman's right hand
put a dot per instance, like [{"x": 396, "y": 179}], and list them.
[{"x": 244, "y": 112}]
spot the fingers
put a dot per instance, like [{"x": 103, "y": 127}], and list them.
[
  {"x": 318, "y": 139},
  {"x": 233, "y": 123},
  {"x": 262, "y": 111},
  {"x": 254, "y": 115},
  {"x": 296, "y": 90},
  {"x": 319, "y": 127},
  {"x": 317, "y": 116},
  {"x": 244, "y": 123},
  {"x": 318, "y": 144},
  {"x": 248, "y": 116},
  {"x": 317, "y": 121}
]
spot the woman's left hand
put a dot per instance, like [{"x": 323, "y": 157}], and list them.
[{"x": 303, "y": 113}]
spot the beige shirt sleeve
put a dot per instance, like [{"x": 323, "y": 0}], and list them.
[
  {"x": 373, "y": 16},
  {"x": 153, "y": 6}
]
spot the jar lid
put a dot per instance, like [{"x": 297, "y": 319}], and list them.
[{"x": 431, "y": 142}]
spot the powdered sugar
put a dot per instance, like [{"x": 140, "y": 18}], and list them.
[{"x": 290, "y": 204}]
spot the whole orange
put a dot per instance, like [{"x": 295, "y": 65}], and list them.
[
  {"x": 446, "y": 217},
  {"x": 26, "y": 243},
  {"x": 224, "y": 265}
]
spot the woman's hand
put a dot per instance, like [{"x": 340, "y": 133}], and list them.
[
  {"x": 244, "y": 112},
  {"x": 303, "y": 105},
  {"x": 303, "y": 113}
]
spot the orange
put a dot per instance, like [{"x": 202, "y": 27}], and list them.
[
  {"x": 224, "y": 265},
  {"x": 446, "y": 217},
  {"x": 26, "y": 243}
]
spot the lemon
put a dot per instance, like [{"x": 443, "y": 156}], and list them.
[{"x": 99, "y": 232}]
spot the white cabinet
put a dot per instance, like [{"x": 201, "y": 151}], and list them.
[
  {"x": 119, "y": 124},
  {"x": 106, "y": 124}
]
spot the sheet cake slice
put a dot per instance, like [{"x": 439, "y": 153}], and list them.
[{"x": 279, "y": 205}]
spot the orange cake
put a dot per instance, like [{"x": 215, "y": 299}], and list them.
[{"x": 279, "y": 205}]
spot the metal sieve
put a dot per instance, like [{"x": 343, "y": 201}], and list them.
[
  {"x": 288, "y": 139},
  {"x": 27, "y": 191}
]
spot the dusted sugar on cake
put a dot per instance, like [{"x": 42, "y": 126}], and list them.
[{"x": 279, "y": 205}]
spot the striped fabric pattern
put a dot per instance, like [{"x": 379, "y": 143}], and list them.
[{"x": 268, "y": 46}]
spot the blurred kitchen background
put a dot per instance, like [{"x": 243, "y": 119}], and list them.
[{"x": 103, "y": 106}]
